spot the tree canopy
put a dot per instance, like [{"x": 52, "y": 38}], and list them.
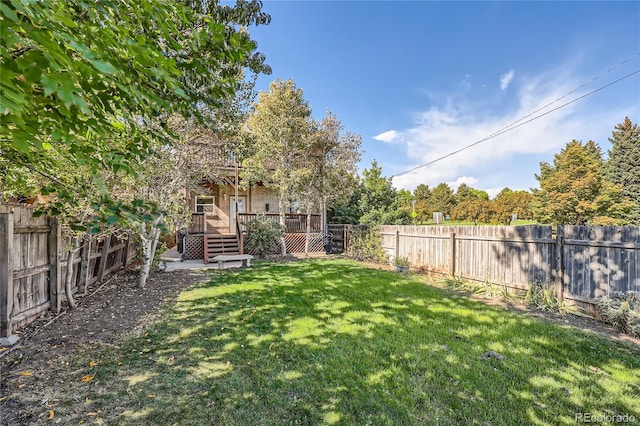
[{"x": 623, "y": 166}]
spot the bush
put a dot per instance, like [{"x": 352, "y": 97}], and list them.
[
  {"x": 622, "y": 311},
  {"x": 264, "y": 236},
  {"x": 366, "y": 245}
]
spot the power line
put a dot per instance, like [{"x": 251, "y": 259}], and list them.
[{"x": 515, "y": 124}]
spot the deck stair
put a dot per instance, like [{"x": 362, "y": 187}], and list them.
[{"x": 216, "y": 244}]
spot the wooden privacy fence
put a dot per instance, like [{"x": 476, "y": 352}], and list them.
[
  {"x": 33, "y": 265},
  {"x": 581, "y": 263}
]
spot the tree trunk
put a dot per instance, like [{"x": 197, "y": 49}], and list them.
[
  {"x": 69, "y": 276},
  {"x": 283, "y": 223},
  {"x": 149, "y": 240},
  {"x": 306, "y": 243}
]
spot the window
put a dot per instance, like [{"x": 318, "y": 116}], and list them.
[{"x": 205, "y": 204}]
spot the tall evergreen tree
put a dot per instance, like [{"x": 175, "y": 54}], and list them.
[{"x": 623, "y": 166}]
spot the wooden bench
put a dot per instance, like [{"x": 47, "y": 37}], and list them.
[{"x": 222, "y": 258}]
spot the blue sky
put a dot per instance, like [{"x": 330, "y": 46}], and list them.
[{"x": 419, "y": 80}]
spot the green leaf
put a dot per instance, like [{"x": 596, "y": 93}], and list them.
[
  {"x": 77, "y": 227},
  {"x": 6, "y": 11},
  {"x": 104, "y": 67},
  {"x": 49, "y": 85},
  {"x": 21, "y": 142}
]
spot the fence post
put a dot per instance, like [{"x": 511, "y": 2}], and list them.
[
  {"x": 6, "y": 271},
  {"x": 84, "y": 265},
  {"x": 124, "y": 256},
  {"x": 55, "y": 265},
  {"x": 452, "y": 260},
  {"x": 560, "y": 263},
  {"x": 397, "y": 243},
  {"x": 103, "y": 257}
]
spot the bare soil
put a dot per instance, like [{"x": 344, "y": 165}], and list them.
[{"x": 35, "y": 371}]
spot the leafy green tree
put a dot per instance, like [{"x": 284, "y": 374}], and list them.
[
  {"x": 509, "y": 202},
  {"x": 348, "y": 211},
  {"x": 330, "y": 162},
  {"x": 280, "y": 126},
  {"x": 421, "y": 195},
  {"x": 472, "y": 208},
  {"x": 623, "y": 166},
  {"x": 378, "y": 192},
  {"x": 442, "y": 199},
  {"x": 573, "y": 190},
  {"x": 62, "y": 82},
  {"x": 422, "y": 192},
  {"x": 379, "y": 200},
  {"x": 88, "y": 88}
]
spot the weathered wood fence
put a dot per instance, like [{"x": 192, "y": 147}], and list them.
[
  {"x": 33, "y": 265},
  {"x": 580, "y": 262}
]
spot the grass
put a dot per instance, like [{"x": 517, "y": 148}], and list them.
[{"x": 336, "y": 342}]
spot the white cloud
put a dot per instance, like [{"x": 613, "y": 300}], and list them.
[
  {"x": 469, "y": 180},
  {"x": 505, "y": 79},
  {"x": 388, "y": 136},
  {"x": 510, "y": 159}
]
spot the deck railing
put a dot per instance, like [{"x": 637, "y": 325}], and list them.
[{"x": 295, "y": 223}]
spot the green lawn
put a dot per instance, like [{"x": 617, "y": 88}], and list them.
[{"x": 336, "y": 342}]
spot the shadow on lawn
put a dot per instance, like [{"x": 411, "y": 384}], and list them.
[{"x": 334, "y": 342}]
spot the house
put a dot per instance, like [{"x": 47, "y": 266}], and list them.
[{"x": 221, "y": 210}]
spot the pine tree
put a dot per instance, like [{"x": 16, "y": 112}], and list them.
[{"x": 623, "y": 166}]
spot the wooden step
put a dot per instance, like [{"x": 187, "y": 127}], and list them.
[{"x": 217, "y": 244}]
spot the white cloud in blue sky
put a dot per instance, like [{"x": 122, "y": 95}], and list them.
[
  {"x": 442, "y": 129},
  {"x": 388, "y": 136},
  {"x": 505, "y": 79},
  {"x": 418, "y": 88}
]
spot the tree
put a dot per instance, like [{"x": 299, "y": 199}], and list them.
[
  {"x": 280, "y": 127},
  {"x": 623, "y": 166},
  {"x": 349, "y": 210},
  {"x": 573, "y": 191},
  {"x": 442, "y": 199},
  {"x": 330, "y": 160},
  {"x": 509, "y": 202},
  {"x": 378, "y": 201},
  {"x": 422, "y": 192},
  {"x": 195, "y": 155},
  {"x": 61, "y": 82},
  {"x": 473, "y": 209},
  {"x": 73, "y": 100}
]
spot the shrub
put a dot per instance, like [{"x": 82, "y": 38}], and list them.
[
  {"x": 366, "y": 245},
  {"x": 401, "y": 261},
  {"x": 622, "y": 311},
  {"x": 263, "y": 236}
]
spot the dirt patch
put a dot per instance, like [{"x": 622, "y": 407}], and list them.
[{"x": 34, "y": 372}]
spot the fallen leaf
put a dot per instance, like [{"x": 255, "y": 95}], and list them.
[
  {"x": 26, "y": 373},
  {"x": 92, "y": 364},
  {"x": 51, "y": 414},
  {"x": 88, "y": 377},
  {"x": 3, "y": 398},
  {"x": 92, "y": 413},
  {"x": 153, "y": 395}
]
